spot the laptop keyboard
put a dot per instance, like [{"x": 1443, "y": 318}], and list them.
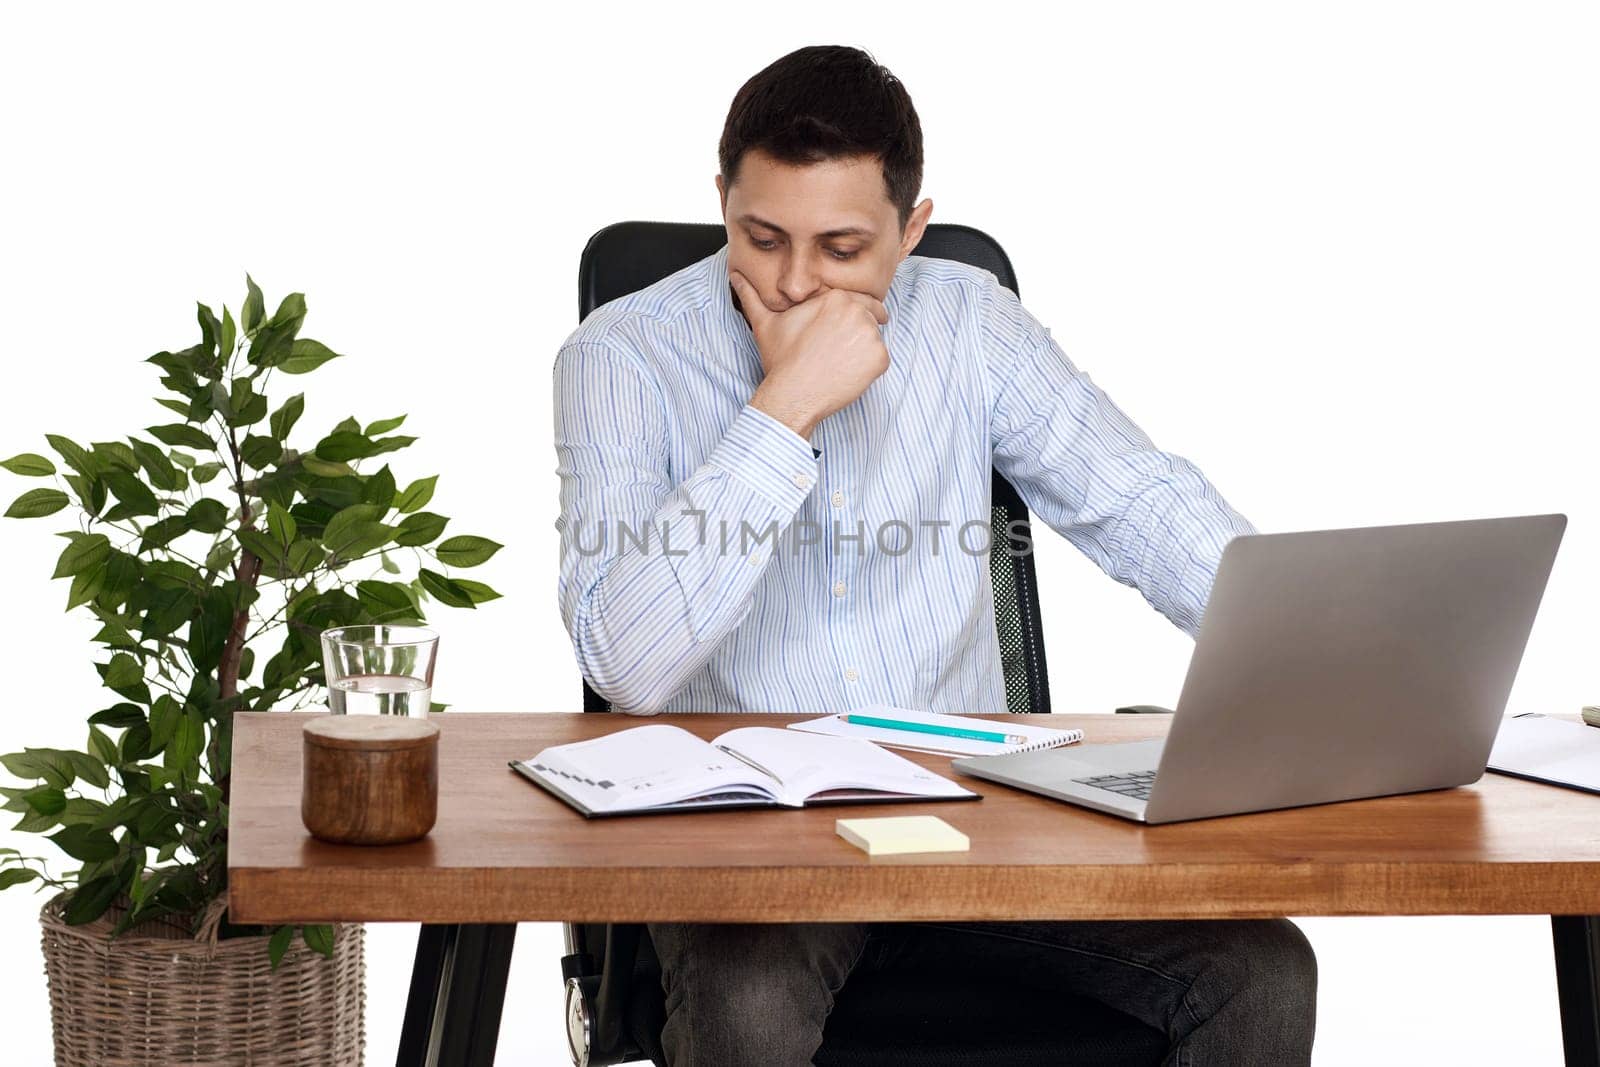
[{"x": 1136, "y": 784}]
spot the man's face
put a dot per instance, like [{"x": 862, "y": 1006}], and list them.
[{"x": 796, "y": 230}]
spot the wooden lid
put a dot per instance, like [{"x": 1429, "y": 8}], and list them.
[{"x": 370, "y": 732}]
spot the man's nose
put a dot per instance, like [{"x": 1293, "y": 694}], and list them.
[{"x": 799, "y": 280}]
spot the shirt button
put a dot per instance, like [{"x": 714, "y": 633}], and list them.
[
  {"x": 838, "y": 589},
  {"x": 851, "y": 675},
  {"x": 838, "y": 499},
  {"x": 802, "y": 481},
  {"x": 755, "y": 557}
]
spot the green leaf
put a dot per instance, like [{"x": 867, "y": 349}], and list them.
[
  {"x": 304, "y": 557},
  {"x": 319, "y": 939},
  {"x": 134, "y": 494},
  {"x": 445, "y": 590},
  {"x": 343, "y": 446},
  {"x": 178, "y": 435},
  {"x": 119, "y": 716},
  {"x": 278, "y": 944},
  {"x": 210, "y": 332},
  {"x": 383, "y": 426},
  {"x": 29, "y": 464},
  {"x": 45, "y": 763},
  {"x": 254, "y": 306},
  {"x": 88, "y": 768},
  {"x": 325, "y": 469},
  {"x": 162, "y": 533},
  {"x": 466, "y": 550},
  {"x": 46, "y": 800},
  {"x": 268, "y": 551},
  {"x": 386, "y": 601},
  {"x": 286, "y": 416},
  {"x": 163, "y": 475},
  {"x": 37, "y": 503},
  {"x": 306, "y": 355},
  {"x": 379, "y": 489},
  {"x": 164, "y": 716},
  {"x": 417, "y": 494},
  {"x": 82, "y": 843},
  {"x": 122, "y": 671},
  {"x": 114, "y": 455},
  {"x": 204, "y": 472},
  {"x": 281, "y": 525},
  {"x": 260, "y": 451},
  {"x": 480, "y": 593},
  {"x": 187, "y": 741},
  {"x": 419, "y": 529},
  {"x": 104, "y": 748},
  {"x": 122, "y": 575},
  {"x": 230, "y": 333},
  {"x": 388, "y": 564},
  {"x": 16, "y": 876},
  {"x": 358, "y": 540},
  {"x": 75, "y": 456},
  {"x": 207, "y": 515},
  {"x": 83, "y": 552},
  {"x": 90, "y": 901},
  {"x": 335, "y": 531},
  {"x": 391, "y": 444},
  {"x": 290, "y": 313},
  {"x": 86, "y": 586}
]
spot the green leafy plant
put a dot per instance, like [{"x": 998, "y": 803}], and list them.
[{"x": 188, "y": 585}]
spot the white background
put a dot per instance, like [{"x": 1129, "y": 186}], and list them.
[{"x": 1342, "y": 257}]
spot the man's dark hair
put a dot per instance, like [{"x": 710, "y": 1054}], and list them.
[{"x": 827, "y": 102}]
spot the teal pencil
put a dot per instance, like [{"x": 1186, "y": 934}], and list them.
[{"x": 933, "y": 728}]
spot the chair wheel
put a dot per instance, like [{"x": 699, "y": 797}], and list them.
[{"x": 580, "y": 1023}]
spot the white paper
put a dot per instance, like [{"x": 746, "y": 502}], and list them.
[
  {"x": 1033, "y": 736},
  {"x": 1542, "y": 747}
]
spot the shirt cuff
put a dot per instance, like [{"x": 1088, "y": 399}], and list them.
[{"x": 769, "y": 457}]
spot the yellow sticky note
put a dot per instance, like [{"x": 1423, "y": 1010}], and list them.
[{"x": 901, "y": 833}]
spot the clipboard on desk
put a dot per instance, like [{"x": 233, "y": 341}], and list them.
[{"x": 1553, "y": 751}]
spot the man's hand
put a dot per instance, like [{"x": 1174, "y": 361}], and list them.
[{"x": 818, "y": 355}]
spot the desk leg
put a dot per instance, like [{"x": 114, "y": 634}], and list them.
[
  {"x": 1577, "y": 947},
  {"x": 458, "y": 986}
]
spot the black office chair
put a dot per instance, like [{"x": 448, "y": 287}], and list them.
[{"x": 615, "y": 1006}]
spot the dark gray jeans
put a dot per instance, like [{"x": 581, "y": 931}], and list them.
[{"x": 1224, "y": 991}]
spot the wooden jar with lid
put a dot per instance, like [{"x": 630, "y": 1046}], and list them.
[{"x": 369, "y": 779}]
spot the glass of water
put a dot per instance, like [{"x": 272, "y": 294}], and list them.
[{"x": 379, "y": 669}]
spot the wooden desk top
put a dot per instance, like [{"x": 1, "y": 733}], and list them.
[{"x": 504, "y": 850}]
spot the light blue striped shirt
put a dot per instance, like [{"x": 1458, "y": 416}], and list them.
[{"x": 713, "y": 560}]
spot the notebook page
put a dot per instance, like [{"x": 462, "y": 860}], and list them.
[
  {"x": 645, "y": 766},
  {"x": 808, "y": 764},
  {"x": 1032, "y": 737}
]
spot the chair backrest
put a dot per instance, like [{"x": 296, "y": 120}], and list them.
[{"x": 627, "y": 256}]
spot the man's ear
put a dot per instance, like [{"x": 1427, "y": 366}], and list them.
[
  {"x": 916, "y": 223},
  {"x": 722, "y": 196}
]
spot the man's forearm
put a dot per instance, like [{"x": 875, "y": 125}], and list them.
[{"x": 647, "y": 602}]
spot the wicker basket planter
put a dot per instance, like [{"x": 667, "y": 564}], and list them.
[{"x": 161, "y": 994}]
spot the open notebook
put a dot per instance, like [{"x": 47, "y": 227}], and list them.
[{"x": 658, "y": 768}]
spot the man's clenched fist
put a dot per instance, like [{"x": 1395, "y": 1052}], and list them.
[{"x": 819, "y": 355}]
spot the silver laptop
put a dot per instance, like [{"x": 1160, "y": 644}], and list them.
[{"x": 1330, "y": 665}]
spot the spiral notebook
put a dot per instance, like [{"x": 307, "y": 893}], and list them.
[{"x": 1028, "y": 738}]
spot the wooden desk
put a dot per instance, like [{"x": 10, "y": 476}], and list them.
[{"x": 504, "y": 852}]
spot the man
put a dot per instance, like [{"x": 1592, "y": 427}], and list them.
[{"x": 733, "y": 444}]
